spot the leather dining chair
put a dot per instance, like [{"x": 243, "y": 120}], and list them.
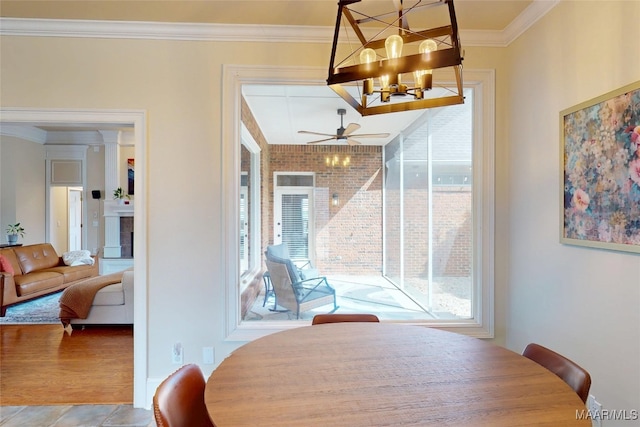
[
  {"x": 573, "y": 374},
  {"x": 337, "y": 318},
  {"x": 179, "y": 400}
]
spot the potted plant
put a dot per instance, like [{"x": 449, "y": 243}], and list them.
[
  {"x": 13, "y": 230},
  {"x": 118, "y": 194}
]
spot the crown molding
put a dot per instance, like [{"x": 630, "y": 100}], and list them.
[
  {"x": 74, "y": 137},
  {"x": 162, "y": 30},
  {"x": 482, "y": 38},
  {"x": 28, "y": 133},
  {"x": 536, "y": 10},
  {"x": 242, "y": 33}
]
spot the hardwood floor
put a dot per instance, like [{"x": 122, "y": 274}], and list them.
[{"x": 43, "y": 365}]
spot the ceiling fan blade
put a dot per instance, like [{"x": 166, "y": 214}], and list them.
[
  {"x": 351, "y": 127},
  {"x": 372, "y": 135},
  {"x": 320, "y": 140},
  {"x": 317, "y": 133},
  {"x": 352, "y": 141}
]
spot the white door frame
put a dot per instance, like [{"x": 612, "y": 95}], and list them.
[
  {"x": 137, "y": 118},
  {"x": 278, "y": 192},
  {"x": 75, "y": 210}
]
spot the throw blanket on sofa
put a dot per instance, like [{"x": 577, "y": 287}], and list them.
[
  {"x": 74, "y": 258},
  {"x": 76, "y": 300}
]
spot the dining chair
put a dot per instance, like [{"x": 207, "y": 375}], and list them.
[
  {"x": 573, "y": 374},
  {"x": 319, "y": 319},
  {"x": 179, "y": 399}
]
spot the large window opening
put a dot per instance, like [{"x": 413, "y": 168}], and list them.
[{"x": 407, "y": 224}]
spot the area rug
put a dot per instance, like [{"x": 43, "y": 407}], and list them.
[{"x": 43, "y": 310}]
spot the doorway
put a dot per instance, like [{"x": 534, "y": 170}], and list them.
[
  {"x": 104, "y": 119},
  {"x": 293, "y": 214}
]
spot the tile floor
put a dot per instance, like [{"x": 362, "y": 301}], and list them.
[{"x": 75, "y": 416}]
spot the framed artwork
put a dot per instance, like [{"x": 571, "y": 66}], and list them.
[
  {"x": 600, "y": 171},
  {"x": 130, "y": 175}
]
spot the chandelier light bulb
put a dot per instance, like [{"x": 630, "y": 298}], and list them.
[
  {"x": 384, "y": 81},
  {"x": 393, "y": 46},
  {"x": 426, "y": 47},
  {"x": 424, "y": 78},
  {"x": 368, "y": 56}
]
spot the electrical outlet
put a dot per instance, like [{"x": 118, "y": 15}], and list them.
[
  {"x": 595, "y": 410},
  {"x": 177, "y": 354},
  {"x": 207, "y": 355}
]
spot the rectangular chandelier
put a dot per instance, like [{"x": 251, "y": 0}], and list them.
[{"x": 386, "y": 65}]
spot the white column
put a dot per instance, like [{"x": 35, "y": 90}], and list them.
[{"x": 112, "y": 247}]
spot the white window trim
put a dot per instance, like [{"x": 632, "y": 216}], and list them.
[
  {"x": 234, "y": 77},
  {"x": 255, "y": 256}
]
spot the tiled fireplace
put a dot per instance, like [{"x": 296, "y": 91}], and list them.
[
  {"x": 126, "y": 237},
  {"x": 117, "y": 254}
]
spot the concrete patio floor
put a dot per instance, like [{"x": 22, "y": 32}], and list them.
[{"x": 377, "y": 295}]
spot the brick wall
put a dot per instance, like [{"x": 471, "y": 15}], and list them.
[
  {"x": 452, "y": 227},
  {"x": 348, "y": 236}
]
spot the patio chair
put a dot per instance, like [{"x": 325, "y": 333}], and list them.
[
  {"x": 295, "y": 293},
  {"x": 280, "y": 252}
]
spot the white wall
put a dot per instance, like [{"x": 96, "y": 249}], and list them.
[
  {"x": 22, "y": 191},
  {"x": 584, "y": 303}
]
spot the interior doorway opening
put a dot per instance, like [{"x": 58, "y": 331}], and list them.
[{"x": 109, "y": 119}]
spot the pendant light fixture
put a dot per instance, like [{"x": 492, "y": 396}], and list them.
[{"x": 389, "y": 65}]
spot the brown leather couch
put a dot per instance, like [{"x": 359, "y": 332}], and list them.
[{"x": 37, "y": 270}]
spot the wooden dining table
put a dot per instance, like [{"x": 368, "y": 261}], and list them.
[{"x": 383, "y": 374}]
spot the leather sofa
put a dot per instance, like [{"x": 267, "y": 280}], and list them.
[{"x": 37, "y": 270}]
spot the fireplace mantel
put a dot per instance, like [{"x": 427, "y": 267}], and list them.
[{"x": 116, "y": 208}]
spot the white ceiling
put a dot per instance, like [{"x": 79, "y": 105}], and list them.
[{"x": 281, "y": 111}]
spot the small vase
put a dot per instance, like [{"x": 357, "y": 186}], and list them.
[{"x": 12, "y": 239}]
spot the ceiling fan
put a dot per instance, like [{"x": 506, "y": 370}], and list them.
[{"x": 344, "y": 134}]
